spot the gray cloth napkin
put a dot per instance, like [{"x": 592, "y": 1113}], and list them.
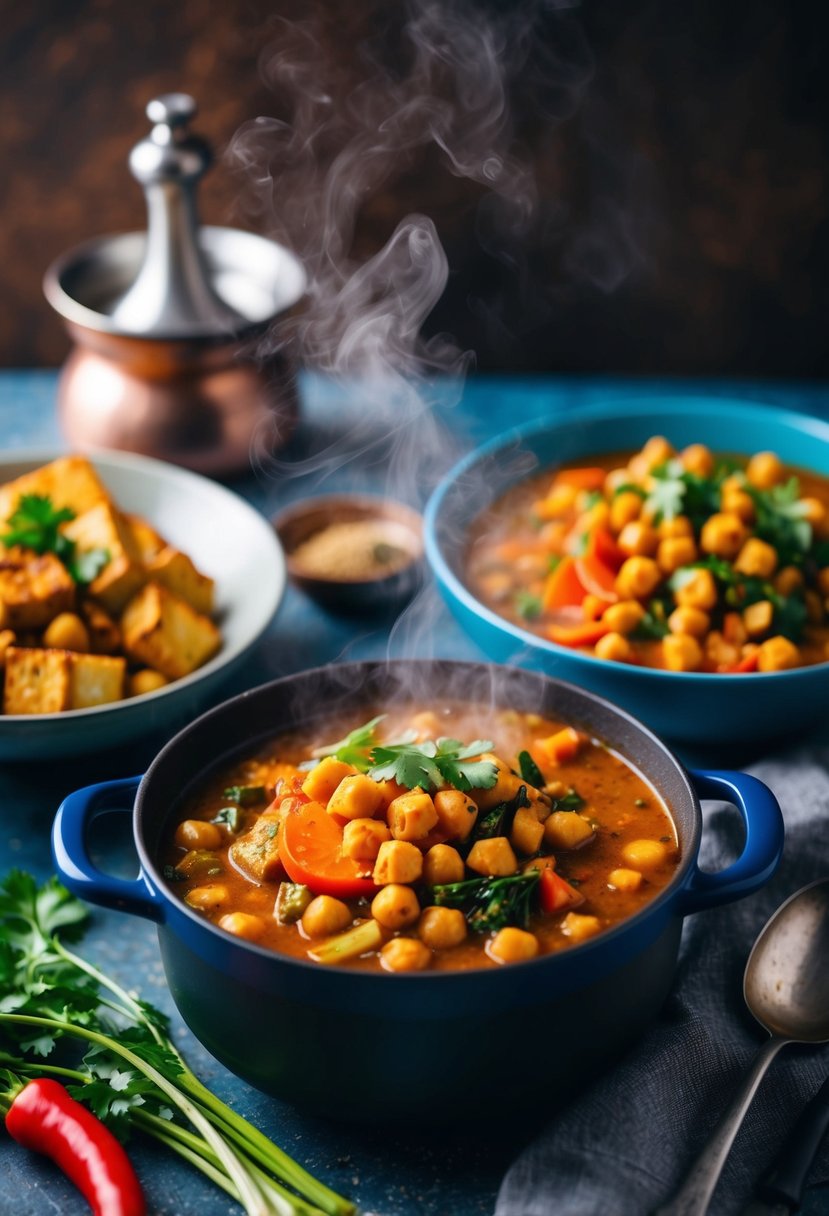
[{"x": 622, "y": 1147}]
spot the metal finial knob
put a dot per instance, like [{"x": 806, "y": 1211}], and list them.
[{"x": 172, "y": 109}]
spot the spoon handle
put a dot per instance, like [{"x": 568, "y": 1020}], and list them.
[{"x": 694, "y": 1195}]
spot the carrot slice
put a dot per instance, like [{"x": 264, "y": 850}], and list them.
[
  {"x": 563, "y": 588},
  {"x": 599, "y": 564},
  {"x": 582, "y": 479},
  {"x": 747, "y": 663},
  {"x": 585, "y": 634},
  {"x": 310, "y": 849},
  {"x": 604, "y": 549}
]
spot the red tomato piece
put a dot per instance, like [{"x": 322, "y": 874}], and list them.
[
  {"x": 311, "y": 850},
  {"x": 563, "y": 588},
  {"x": 556, "y": 893},
  {"x": 586, "y": 634}
]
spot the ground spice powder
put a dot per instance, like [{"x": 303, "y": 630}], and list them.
[{"x": 359, "y": 549}]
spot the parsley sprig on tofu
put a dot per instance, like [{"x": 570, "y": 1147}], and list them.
[
  {"x": 35, "y": 524},
  {"x": 428, "y": 765}
]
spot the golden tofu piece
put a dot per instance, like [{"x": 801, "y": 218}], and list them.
[
  {"x": 34, "y": 588},
  {"x": 324, "y": 778},
  {"x": 104, "y": 634},
  {"x": 70, "y": 481},
  {"x": 37, "y": 681},
  {"x": 95, "y": 679},
  {"x": 146, "y": 541},
  {"x": 164, "y": 632},
  {"x": 175, "y": 571},
  {"x": 102, "y": 527},
  {"x": 257, "y": 851}
]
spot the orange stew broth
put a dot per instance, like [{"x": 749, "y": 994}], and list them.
[
  {"x": 619, "y": 805},
  {"x": 523, "y": 538}
]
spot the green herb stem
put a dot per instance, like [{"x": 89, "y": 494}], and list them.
[{"x": 250, "y": 1194}]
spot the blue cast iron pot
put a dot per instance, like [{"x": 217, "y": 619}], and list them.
[
  {"x": 356, "y": 1044},
  {"x": 703, "y": 712}
]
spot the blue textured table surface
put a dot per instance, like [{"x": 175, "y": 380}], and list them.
[{"x": 388, "y": 1174}]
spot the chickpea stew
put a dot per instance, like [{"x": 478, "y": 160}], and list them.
[
  {"x": 401, "y": 849},
  {"x": 686, "y": 561}
]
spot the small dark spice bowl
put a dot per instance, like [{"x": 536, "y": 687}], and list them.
[{"x": 352, "y": 553}]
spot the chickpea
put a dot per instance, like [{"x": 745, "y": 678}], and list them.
[
  {"x": 526, "y": 833},
  {"x": 680, "y": 525},
  {"x": 512, "y": 945},
  {"x": 723, "y": 534},
  {"x": 615, "y": 647},
  {"x": 676, "y": 551},
  {"x": 592, "y": 607},
  {"x": 614, "y": 481},
  {"x": 325, "y": 915},
  {"x": 243, "y": 924},
  {"x": 622, "y": 879},
  {"x": 67, "y": 632},
  {"x": 493, "y": 856},
  {"x": 579, "y": 926},
  {"x": 362, "y": 838},
  {"x": 442, "y": 864},
  {"x": 405, "y": 954},
  {"x": 638, "y": 539},
  {"x": 198, "y": 834},
  {"x": 211, "y": 896},
  {"x": 681, "y": 652},
  {"x": 693, "y": 621},
  {"x": 624, "y": 616},
  {"x": 356, "y": 797},
  {"x": 456, "y": 813},
  {"x": 397, "y": 861},
  {"x": 395, "y": 906},
  {"x": 788, "y": 580},
  {"x": 645, "y": 854},
  {"x": 738, "y": 502},
  {"x": 656, "y": 451},
  {"x": 145, "y": 680},
  {"x": 756, "y": 558},
  {"x": 700, "y": 591},
  {"x": 412, "y": 816},
  {"x": 765, "y": 470},
  {"x": 442, "y": 928},
  {"x": 324, "y": 778},
  {"x": 624, "y": 509},
  {"x": 814, "y": 512},
  {"x": 719, "y": 652},
  {"x": 638, "y": 577},
  {"x": 567, "y": 830},
  {"x": 697, "y": 459},
  {"x": 778, "y": 654}
]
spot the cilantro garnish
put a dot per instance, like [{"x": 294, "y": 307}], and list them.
[
  {"x": 781, "y": 520},
  {"x": 35, "y": 525},
  {"x": 230, "y": 817},
  {"x": 430, "y": 765},
  {"x": 425, "y": 765}
]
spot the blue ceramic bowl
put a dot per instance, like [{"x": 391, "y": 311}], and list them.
[
  {"x": 704, "y": 711},
  {"x": 370, "y": 1046}
]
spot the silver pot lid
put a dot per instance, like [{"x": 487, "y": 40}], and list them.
[{"x": 177, "y": 279}]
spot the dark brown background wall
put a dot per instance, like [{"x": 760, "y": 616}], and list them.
[{"x": 679, "y": 153}]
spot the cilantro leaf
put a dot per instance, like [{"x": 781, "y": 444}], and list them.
[
  {"x": 356, "y": 747},
  {"x": 429, "y": 765},
  {"x": 781, "y": 520},
  {"x": 527, "y": 605},
  {"x": 34, "y": 524}
]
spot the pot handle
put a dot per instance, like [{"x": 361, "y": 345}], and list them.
[
  {"x": 763, "y": 846},
  {"x": 74, "y": 866}
]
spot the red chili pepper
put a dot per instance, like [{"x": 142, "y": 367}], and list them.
[{"x": 44, "y": 1118}]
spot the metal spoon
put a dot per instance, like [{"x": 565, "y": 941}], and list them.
[{"x": 786, "y": 988}]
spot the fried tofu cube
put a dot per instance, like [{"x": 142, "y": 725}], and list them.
[
  {"x": 34, "y": 588},
  {"x": 412, "y": 816},
  {"x": 324, "y": 778},
  {"x": 37, "y": 681},
  {"x": 163, "y": 632},
  {"x": 95, "y": 679},
  {"x": 257, "y": 851},
  {"x": 102, "y": 527},
  {"x": 175, "y": 571},
  {"x": 70, "y": 481},
  {"x": 104, "y": 634},
  {"x": 147, "y": 543}
]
